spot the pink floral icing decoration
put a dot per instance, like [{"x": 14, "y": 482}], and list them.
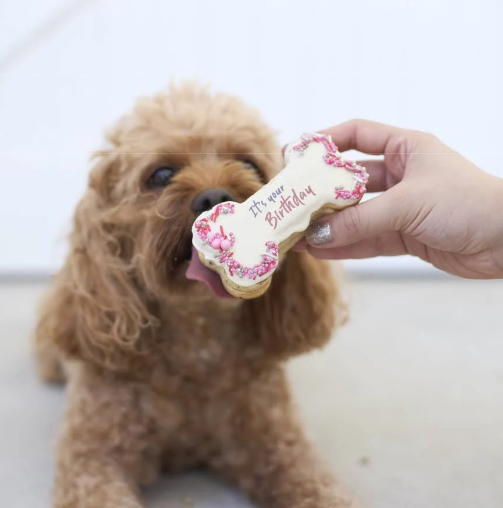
[
  {"x": 333, "y": 158},
  {"x": 223, "y": 242}
]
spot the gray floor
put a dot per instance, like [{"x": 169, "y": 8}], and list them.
[{"x": 406, "y": 402}]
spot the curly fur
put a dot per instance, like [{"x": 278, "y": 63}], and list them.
[{"x": 162, "y": 376}]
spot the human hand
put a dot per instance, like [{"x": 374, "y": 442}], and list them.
[{"x": 435, "y": 205}]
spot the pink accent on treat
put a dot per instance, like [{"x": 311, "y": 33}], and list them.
[
  {"x": 272, "y": 248},
  {"x": 222, "y": 208},
  {"x": 356, "y": 193},
  {"x": 222, "y": 243},
  {"x": 333, "y": 158}
]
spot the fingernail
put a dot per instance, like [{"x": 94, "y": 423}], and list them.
[{"x": 319, "y": 233}]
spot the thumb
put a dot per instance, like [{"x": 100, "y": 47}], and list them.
[{"x": 355, "y": 223}]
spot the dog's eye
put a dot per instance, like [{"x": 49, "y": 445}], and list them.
[
  {"x": 251, "y": 165},
  {"x": 160, "y": 177}
]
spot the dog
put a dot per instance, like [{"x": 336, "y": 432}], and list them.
[{"x": 162, "y": 375}]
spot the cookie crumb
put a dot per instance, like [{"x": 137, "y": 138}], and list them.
[{"x": 364, "y": 461}]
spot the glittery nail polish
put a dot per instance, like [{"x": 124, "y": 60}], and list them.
[{"x": 319, "y": 233}]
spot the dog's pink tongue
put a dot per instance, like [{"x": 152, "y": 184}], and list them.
[{"x": 197, "y": 271}]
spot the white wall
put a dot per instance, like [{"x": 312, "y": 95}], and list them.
[{"x": 431, "y": 64}]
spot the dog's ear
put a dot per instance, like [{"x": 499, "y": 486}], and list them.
[
  {"x": 94, "y": 311},
  {"x": 300, "y": 310},
  {"x": 104, "y": 174}
]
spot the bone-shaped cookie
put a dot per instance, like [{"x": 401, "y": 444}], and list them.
[{"x": 244, "y": 241}]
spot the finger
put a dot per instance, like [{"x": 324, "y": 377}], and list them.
[
  {"x": 377, "y": 172},
  {"x": 364, "y": 136},
  {"x": 356, "y": 223},
  {"x": 386, "y": 244}
]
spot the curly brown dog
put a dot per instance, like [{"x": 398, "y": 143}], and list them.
[{"x": 162, "y": 375}]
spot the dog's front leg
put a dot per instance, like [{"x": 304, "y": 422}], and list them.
[
  {"x": 93, "y": 482},
  {"x": 265, "y": 452},
  {"x": 111, "y": 442}
]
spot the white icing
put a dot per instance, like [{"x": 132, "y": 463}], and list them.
[{"x": 254, "y": 221}]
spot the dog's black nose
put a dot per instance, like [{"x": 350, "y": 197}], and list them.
[{"x": 207, "y": 199}]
